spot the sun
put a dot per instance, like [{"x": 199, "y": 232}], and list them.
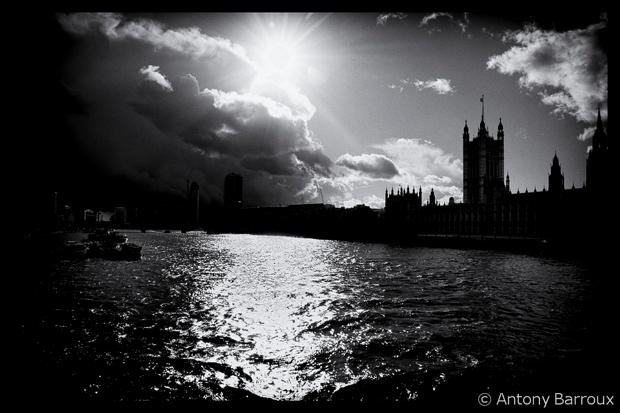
[
  {"x": 286, "y": 50},
  {"x": 279, "y": 57}
]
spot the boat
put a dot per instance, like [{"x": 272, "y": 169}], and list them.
[
  {"x": 108, "y": 236},
  {"x": 106, "y": 244}
]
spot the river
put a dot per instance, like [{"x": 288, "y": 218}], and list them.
[{"x": 236, "y": 316}]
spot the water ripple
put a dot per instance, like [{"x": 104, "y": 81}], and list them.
[{"x": 227, "y": 316}]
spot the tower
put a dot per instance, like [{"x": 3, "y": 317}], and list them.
[
  {"x": 500, "y": 130},
  {"x": 194, "y": 204},
  {"x": 233, "y": 191},
  {"x": 598, "y": 168},
  {"x": 483, "y": 164},
  {"x": 466, "y": 167},
  {"x": 556, "y": 177},
  {"x": 431, "y": 198}
]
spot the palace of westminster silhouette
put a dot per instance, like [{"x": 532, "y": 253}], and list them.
[{"x": 490, "y": 208}]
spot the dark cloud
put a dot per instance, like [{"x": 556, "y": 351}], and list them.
[
  {"x": 156, "y": 130},
  {"x": 315, "y": 159},
  {"x": 189, "y": 41},
  {"x": 373, "y": 165},
  {"x": 284, "y": 164},
  {"x": 260, "y": 137},
  {"x": 225, "y": 123}
]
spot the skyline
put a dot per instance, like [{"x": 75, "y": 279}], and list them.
[{"x": 352, "y": 102}]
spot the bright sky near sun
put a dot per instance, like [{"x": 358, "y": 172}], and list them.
[{"x": 349, "y": 103}]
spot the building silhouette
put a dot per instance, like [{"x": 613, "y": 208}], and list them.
[
  {"x": 598, "y": 164},
  {"x": 403, "y": 202},
  {"x": 120, "y": 215},
  {"x": 483, "y": 164},
  {"x": 569, "y": 217},
  {"x": 193, "y": 203},
  {"x": 490, "y": 208},
  {"x": 431, "y": 198},
  {"x": 556, "y": 177},
  {"x": 233, "y": 191}
]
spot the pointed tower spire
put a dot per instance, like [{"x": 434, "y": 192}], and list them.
[
  {"x": 599, "y": 139},
  {"x": 466, "y": 132},
  {"x": 483, "y": 127},
  {"x": 500, "y": 130}
]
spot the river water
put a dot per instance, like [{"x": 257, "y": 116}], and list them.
[{"x": 235, "y": 316}]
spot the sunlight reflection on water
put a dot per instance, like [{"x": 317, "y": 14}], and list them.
[{"x": 285, "y": 318}]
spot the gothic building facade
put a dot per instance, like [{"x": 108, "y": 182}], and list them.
[
  {"x": 483, "y": 164},
  {"x": 490, "y": 208}
]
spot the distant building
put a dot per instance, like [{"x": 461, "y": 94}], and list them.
[
  {"x": 483, "y": 164},
  {"x": 120, "y": 215},
  {"x": 598, "y": 164},
  {"x": 233, "y": 191},
  {"x": 556, "y": 177},
  {"x": 402, "y": 202},
  {"x": 489, "y": 208},
  {"x": 193, "y": 197}
]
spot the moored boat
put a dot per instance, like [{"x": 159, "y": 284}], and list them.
[{"x": 106, "y": 244}]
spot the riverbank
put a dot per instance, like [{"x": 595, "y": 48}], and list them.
[{"x": 592, "y": 252}]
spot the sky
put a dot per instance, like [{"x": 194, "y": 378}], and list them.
[{"x": 340, "y": 105}]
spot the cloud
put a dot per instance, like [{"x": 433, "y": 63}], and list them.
[
  {"x": 188, "y": 41},
  {"x": 262, "y": 133},
  {"x": 286, "y": 93},
  {"x": 167, "y": 135},
  {"x": 587, "y": 133},
  {"x": 401, "y": 86},
  {"x": 167, "y": 128},
  {"x": 434, "y": 16},
  {"x": 152, "y": 73},
  {"x": 430, "y": 18},
  {"x": 382, "y": 19},
  {"x": 421, "y": 163},
  {"x": 567, "y": 69},
  {"x": 372, "y": 165},
  {"x": 440, "y": 86}
]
